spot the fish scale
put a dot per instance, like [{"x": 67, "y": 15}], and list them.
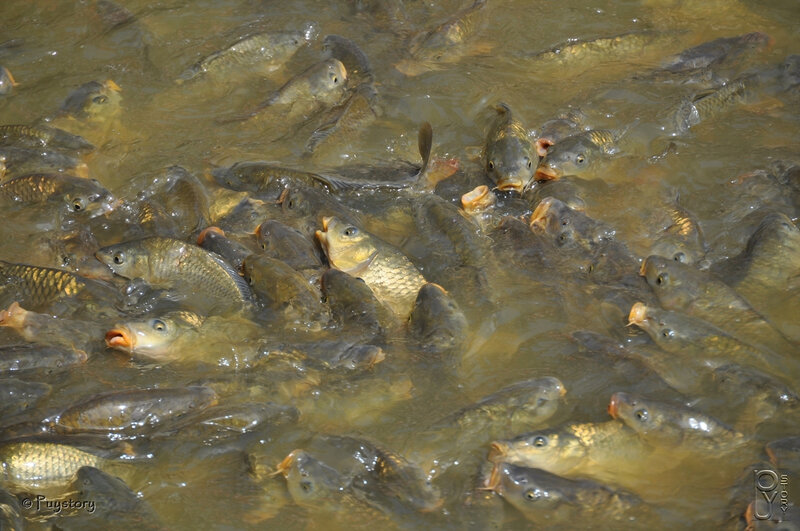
[
  {"x": 37, "y": 286},
  {"x": 39, "y": 465}
]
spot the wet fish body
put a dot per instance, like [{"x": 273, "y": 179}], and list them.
[
  {"x": 42, "y": 136},
  {"x": 19, "y": 358},
  {"x": 261, "y": 52},
  {"x": 509, "y": 157},
  {"x": 36, "y": 466}
]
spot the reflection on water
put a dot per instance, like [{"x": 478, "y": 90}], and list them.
[{"x": 698, "y": 151}]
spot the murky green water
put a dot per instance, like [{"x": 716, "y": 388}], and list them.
[{"x": 524, "y": 331}]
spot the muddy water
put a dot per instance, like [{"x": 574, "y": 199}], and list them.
[{"x": 528, "y": 330}]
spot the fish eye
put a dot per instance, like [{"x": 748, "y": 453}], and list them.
[
  {"x": 529, "y": 163},
  {"x": 78, "y": 204},
  {"x": 263, "y": 246},
  {"x": 540, "y": 441},
  {"x": 306, "y": 485},
  {"x": 159, "y": 325},
  {"x": 541, "y": 402},
  {"x": 334, "y": 77},
  {"x": 291, "y": 204},
  {"x": 679, "y": 257},
  {"x": 662, "y": 279},
  {"x": 490, "y": 165},
  {"x": 642, "y": 414},
  {"x": 531, "y": 495},
  {"x": 667, "y": 333},
  {"x": 350, "y": 231},
  {"x": 100, "y": 99},
  {"x": 119, "y": 257},
  {"x": 580, "y": 159}
]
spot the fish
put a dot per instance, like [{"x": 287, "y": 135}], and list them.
[
  {"x": 521, "y": 405},
  {"x": 605, "y": 451},
  {"x": 154, "y": 338},
  {"x": 578, "y": 154},
  {"x": 283, "y": 288},
  {"x": 436, "y": 321},
  {"x": 18, "y": 395},
  {"x": 71, "y": 334},
  {"x": 288, "y": 244},
  {"x": 353, "y": 305},
  {"x": 547, "y": 498},
  {"x": 33, "y": 466},
  {"x": 508, "y": 155},
  {"x": 134, "y": 411},
  {"x": 45, "y": 289},
  {"x": 587, "y": 52},
  {"x": 320, "y": 86},
  {"x": 444, "y": 44},
  {"x": 676, "y": 427},
  {"x": 214, "y": 239},
  {"x": 7, "y": 82},
  {"x": 86, "y": 197},
  {"x": 680, "y": 334},
  {"x": 314, "y": 484},
  {"x": 42, "y": 136},
  {"x": 389, "y": 273},
  {"x": 223, "y": 421},
  {"x": 112, "y": 501},
  {"x": 27, "y": 357},
  {"x": 203, "y": 278},
  {"x": 266, "y": 178},
  {"x": 683, "y": 240},
  {"x": 394, "y": 175},
  {"x": 347, "y": 121},
  {"x": 90, "y": 111},
  {"x": 718, "y": 52},
  {"x": 708, "y": 105},
  {"x": 680, "y": 287},
  {"x": 261, "y": 53},
  {"x": 350, "y": 54},
  {"x": 21, "y": 161}
]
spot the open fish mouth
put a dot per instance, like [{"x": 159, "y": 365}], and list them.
[
  {"x": 120, "y": 338},
  {"x": 545, "y": 173}
]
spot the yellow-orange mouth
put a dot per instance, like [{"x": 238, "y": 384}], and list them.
[
  {"x": 119, "y": 338},
  {"x": 539, "y": 217},
  {"x": 544, "y": 173},
  {"x": 216, "y": 230}
]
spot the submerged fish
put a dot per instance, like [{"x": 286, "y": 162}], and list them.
[
  {"x": 78, "y": 195},
  {"x": 446, "y": 43},
  {"x": 42, "y": 136},
  {"x": 37, "y": 466},
  {"x": 319, "y": 86},
  {"x": 261, "y": 53},
  {"x": 16, "y": 358},
  {"x": 509, "y": 156},
  {"x": 134, "y": 410},
  {"x": 675, "y": 427},
  {"x": 436, "y": 322}
]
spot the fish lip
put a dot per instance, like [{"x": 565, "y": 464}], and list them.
[
  {"x": 109, "y": 84},
  {"x": 478, "y": 198},
  {"x": 505, "y": 185},
  {"x": 120, "y": 338},
  {"x": 493, "y": 481},
  {"x": 539, "y": 216},
  {"x": 379, "y": 357},
  {"x": 643, "y": 268},
  {"x": 497, "y": 451},
  {"x": 326, "y": 220},
  {"x": 202, "y": 236},
  {"x": 546, "y": 173},
  {"x": 613, "y": 406},
  {"x": 638, "y": 314},
  {"x": 322, "y": 238},
  {"x": 286, "y": 464}
]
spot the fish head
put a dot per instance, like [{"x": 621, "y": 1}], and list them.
[
  {"x": 523, "y": 487},
  {"x": 148, "y": 338},
  {"x": 89, "y": 198},
  {"x": 347, "y": 247},
  {"x": 552, "y": 450},
  {"x": 94, "y": 101},
  {"x": 634, "y": 411},
  {"x": 309, "y": 480},
  {"x": 329, "y": 81},
  {"x": 570, "y": 156},
  {"x": 436, "y": 320},
  {"x": 129, "y": 260},
  {"x": 540, "y": 402},
  {"x": 510, "y": 162}
]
